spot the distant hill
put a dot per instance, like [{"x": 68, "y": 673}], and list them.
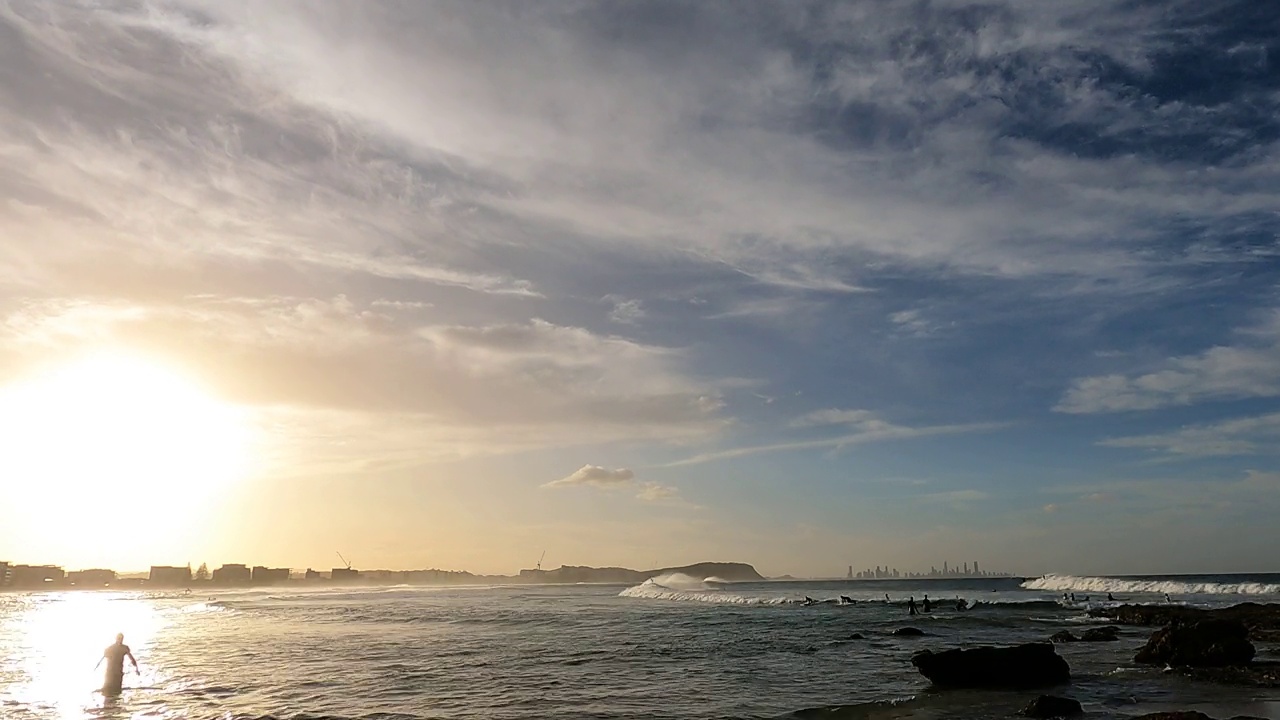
[{"x": 730, "y": 572}]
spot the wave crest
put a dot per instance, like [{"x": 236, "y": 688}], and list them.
[
  {"x": 681, "y": 587},
  {"x": 1155, "y": 587}
]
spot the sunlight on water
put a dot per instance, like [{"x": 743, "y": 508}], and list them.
[{"x": 56, "y": 639}]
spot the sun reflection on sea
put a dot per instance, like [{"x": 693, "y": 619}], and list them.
[{"x": 50, "y": 643}]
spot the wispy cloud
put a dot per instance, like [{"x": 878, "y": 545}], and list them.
[
  {"x": 595, "y": 475},
  {"x": 1241, "y": 436},
  {"x": 879, "y": 434},
  {"x": 1249, "y": 369}
]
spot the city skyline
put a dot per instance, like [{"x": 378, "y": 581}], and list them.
[{"x": 454, "y": 283}]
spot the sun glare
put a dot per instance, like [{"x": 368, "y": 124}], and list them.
[{"x": 116, "y": 433}]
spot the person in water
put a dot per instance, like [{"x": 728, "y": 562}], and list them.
[
  {"x": 115, "y": 655},
  {"x": 928, "y": 605},
  {"x": 886, "y": 599},
  {"x": 1110, "y": 597},
  {"x": 911, "y": 606},
  {"x": 962, "y": 604}
]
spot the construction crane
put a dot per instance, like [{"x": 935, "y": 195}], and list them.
[
  {"x": 544, "y": 557},
  {"x": 344, "y": 560}
]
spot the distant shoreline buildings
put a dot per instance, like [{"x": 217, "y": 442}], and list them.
[
  {"x": 948, "y": 571},
  {"x": 236, "y": 575}
]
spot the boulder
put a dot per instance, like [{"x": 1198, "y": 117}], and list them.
[
  {"x": 1021, "y": 666},
  {"x": 908, "y": 632},
  {"x": 1207, "y": 643},
  {"x": 855, "y": 636},
  {"x": 1263, "y": 620},
  {"x": 1064, "y": 636},
  {"x": 1051, "y": 706},
  {"x": 1106, "y": 633}
]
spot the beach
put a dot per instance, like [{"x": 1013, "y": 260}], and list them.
[{"x": 673, "y": 647}]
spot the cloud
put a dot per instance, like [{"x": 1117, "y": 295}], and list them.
[
  {"x": 627, "y": 312},
  {"x": 1240, "y": 436},
  {"x": 956, "y": 496},
  {"x": 877, "y": 431},
  {"x": 595, "y": 476},
  {"x": 655, "y": 492},
  {"x": 451, "y": 389},
  {"x": 1224, "y": 372},
  {"x": 1051, "y": 508}
]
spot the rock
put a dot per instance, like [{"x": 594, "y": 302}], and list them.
[
  {"x": 908, "y": 632},
  {"x": 1208, "y": 643},
  {"x": 1063, "y": 637},
  {"x": 1021, "y": 666},
  {"x": 855, "y": 636},
  {"x": 1051, "y": 706},
  {"x": 1106, "y": 633},
  {"x": 1263, "y": 620}
]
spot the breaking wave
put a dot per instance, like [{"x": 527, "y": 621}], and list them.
[
  {"x": 678, "y": 586},
  {"x": 1153, "y": 586}
]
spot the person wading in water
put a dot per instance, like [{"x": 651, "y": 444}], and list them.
[{"x": 115, "y": 655}]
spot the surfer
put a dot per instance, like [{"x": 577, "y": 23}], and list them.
[
  {"x": 1073, "y": 597},
  {"x": 962, "y": 604},
  {"x": 1166, "y": 599},
  {"x": 115, "y": 655},
  {"x": 848, "y": 600},
  {"x": 911, "y": 606},
  {"x": 928, "y": 606},
  {"x": 1110, "y": 597},
  {"x": 886, "y": 599}
]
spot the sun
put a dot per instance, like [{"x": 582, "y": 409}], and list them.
[{"x": 116, "y": 435}]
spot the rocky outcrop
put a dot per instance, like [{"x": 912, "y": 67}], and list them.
[
  {"x": 1263, "y": 620},
  {"x": 1102, "y": 634},
  {"x": 1051, "y": 706},
  {"x": 1021, "y": 666},
  {"x": 908, "y": 632},
  {"x": 1107, "y": 633},
  {"x": 732, "y": 572},
  {"x": 1185, "y": 715},
  {"x": 1207, "y": 643}
]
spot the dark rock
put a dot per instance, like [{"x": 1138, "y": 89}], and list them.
[
  {"x": 1107, "y": 633},
  {"x": 855, "y": 636},
  {"x": 908, "y": 632},
  {"x": 1063, "y": 637},
  {"x": 1021, "y": 666},
  {"x": 1051, "y": 706},
  {"x": 1263, "y": 620},
  {"x": 1208, "y": 643}
]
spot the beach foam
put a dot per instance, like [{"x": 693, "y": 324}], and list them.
[
  {"x": 681, "y": 587},
  {"x": 1154, "y": 586}
]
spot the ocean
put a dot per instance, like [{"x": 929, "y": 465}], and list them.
[{"x": 672, "y": 647}]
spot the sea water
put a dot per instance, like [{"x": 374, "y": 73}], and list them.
[{"x": 672, "y": 647}]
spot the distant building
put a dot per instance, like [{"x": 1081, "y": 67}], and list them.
[
  {"x": 91, "y": 578},
  {"x": 233, "y": 574},
  {"x": 312, "y": 575},
  {"x": 344, "y": 575},
  {"x": 29, "y": 576},
  {"x": 170, "y": 576},
  {"x": 269, "y": 576},
  {"x": 4, "y": 574}
]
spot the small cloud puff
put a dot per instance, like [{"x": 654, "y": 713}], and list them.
[
  {"x": 595, "y": 475},
  {"x": 652, "y": 492}
]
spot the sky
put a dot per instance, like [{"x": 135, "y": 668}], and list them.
[{"x": 805, "y": 284}]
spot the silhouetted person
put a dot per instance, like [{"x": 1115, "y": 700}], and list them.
[
  {"x": 886, "y": 599},
  {"x": 911, "y": 605},
  {"x": 115, "y": 655},
  {"x": 1073, "y": 597},
  {"x": 1111, "y": 597},
  {"x": 928, "y": 606},
  {"x": 848, "y": 600},
  {"x": 962, "y": 604},
  {"x": 1166, "y": 598}
]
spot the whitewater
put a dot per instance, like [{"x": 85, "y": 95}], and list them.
[{"x": 674, "y": 646}]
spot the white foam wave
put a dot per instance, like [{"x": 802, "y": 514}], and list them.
[
  {"x": 1157, "y": 587},
  {"x": 681, "y": 587}
]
